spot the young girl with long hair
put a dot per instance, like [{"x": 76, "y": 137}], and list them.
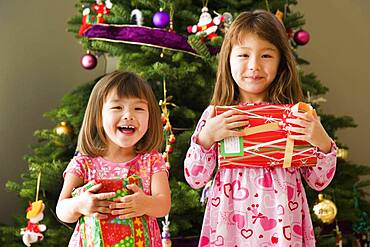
[{"x": 264, "y": 206}]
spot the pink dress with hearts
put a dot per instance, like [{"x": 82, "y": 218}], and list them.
[{"x": 255, "y": 207}]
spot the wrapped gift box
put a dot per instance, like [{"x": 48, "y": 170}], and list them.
[
  {"x": 113, "y": 231},
  {"x": 265, "y": 142}
]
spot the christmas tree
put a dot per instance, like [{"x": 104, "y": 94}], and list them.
[{"x": 159, "y": 40}]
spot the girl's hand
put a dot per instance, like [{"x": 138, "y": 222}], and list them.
[
  {"x": 130, "y": 206},
  {"x": 310, "y": 130},
  {"x": 95, "y": 204},
  {"x": 221, "y": 126}
]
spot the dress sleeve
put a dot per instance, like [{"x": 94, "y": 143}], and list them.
[
  {"x": 319, "y": 176},
  {"x": 199, "y": 163},
  {"x": 157, "y": 163},
  {"x": 77, "y": 166}
]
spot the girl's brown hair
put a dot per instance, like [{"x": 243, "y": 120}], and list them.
[
  {"x": 286, "y": 87},
  {"x": 92, "y": 139}
]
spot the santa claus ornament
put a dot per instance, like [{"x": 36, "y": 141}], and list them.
[
  {"x": 207, "y": 27},
  {"x": 32, "y": 233}
]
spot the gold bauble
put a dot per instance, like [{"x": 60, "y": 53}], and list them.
[
  {"x": 63, "y": 129},
  {"x": 342, "y": 153},
  {"x": 325, "y": 210}
]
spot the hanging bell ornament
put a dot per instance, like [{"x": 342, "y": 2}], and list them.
[
  {"x": 63, "y": 129},
  {"x": 325, "y": 210},
  {"x": 342, "y": 153}
]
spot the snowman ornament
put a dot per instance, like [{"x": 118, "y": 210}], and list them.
[{"x": 32, "y": 233}]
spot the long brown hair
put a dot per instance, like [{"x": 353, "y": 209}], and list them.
[
  {"x": 92, "y": 139},
  {"x": 286, "y": 87}
]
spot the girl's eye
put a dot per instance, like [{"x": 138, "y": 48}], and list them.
[
  {"x": 243, "y": 55},
  {"x": 139, "y": 109},
  {"x": 116, "y": 108},
  {"x": 266, "y": 56}
]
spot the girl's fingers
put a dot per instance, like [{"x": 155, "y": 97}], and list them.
[
  {"x": 104, "y": 203},
  {"x": 119, "y": 205},
  {"x": 100, "y": 216},
  {"x": 229, "y": 113},
  {"x": 94, "y": 188},
  {"x": 237, "y": 124},
  {"x": 212, "y": 111},
  {"x": 104, "y": 196},
  {"x": 235, "y": 133},
  {"x": 303, "y": 115},
  {"x": 122, "y": 212},
  {"x": 298, "y": 137},
  {"x": 125, "y": 199},
  {"x": 104, "y": 210},
  {"x": 299, "y": 122},
  {"x": 297, "y": 130},
  {"x": 237, "y": 118}
]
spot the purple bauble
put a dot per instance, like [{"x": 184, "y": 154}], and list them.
[
  {"x": 301, "y": 37},
  {"x": 161, "y": 19},
  {"x": 88, "y": 61}
]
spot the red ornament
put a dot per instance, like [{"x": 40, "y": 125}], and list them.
[
  {"x": 88, "y": 61},
  {"x": 168, "y": 166},
  {"x": 167, "y": 127},
  {"x": 301, "y": 37},
  {"x": 163, "y": 119},
  {"x": 165, "y": 156},
  {"x": 171, "y": 139},
  {"x": 169, "y": 149}
]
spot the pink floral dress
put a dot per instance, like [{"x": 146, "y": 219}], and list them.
[
  {"x": 255, "y": 207},
  {"x": 143, "y": 165}
]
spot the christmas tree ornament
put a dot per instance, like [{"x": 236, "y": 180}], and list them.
[
  {"x": 167, "y": 129},
  {"x": 102, "y": 9},
  {"x": 161, "y": 19},
  {"x": 207, "y": 27},
  {"x": 63, "y": 129},
  {"x": 137, "y": 17},
  {"x": 280, "y": 16},
  {"x": 301, "y": 37},
  {"x": 338, "y": 236},
  {"x": 171, "y": 139},
  {"x": 228, "y": 19},
  {"x": 342, "y": 153},
  {"x": 32, "y": 232},
  {"x": 166, "y": 235},
  {"x": 169, "y": 149},
  {"x": 165, "y": 156},
  {"x": 87, "y": 19},
  {"x": 325, "y": 210},
  {"x": 88, "y": 61}
]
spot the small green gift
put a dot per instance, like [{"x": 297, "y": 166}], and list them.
[{"x": 113, "y": 231}]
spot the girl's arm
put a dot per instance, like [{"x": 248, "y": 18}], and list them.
[
  {"x": 69, "y": 208},
  {"x": 319, "y": 176},
  {"x": 157, "y": 204},
  {"x": 311, "y": 130},
  {"x": 201, "y": 157},
  {"x": 199, "y": 162}
]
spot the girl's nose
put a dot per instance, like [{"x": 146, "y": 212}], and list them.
[
  {"x": 253, "y": 64},
  {"x": 128, "y": 115}
]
